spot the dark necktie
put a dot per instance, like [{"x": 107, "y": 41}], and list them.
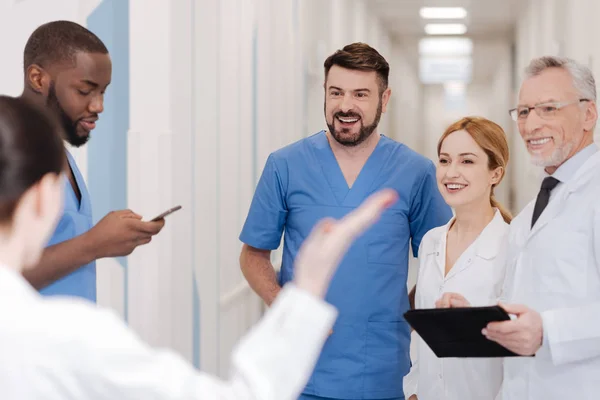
[{"x": 543, "y": 197}]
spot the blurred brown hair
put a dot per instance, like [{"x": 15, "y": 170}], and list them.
[{"x": 31, "y": 146}]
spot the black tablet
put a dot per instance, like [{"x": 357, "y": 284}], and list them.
[{"x": 456, "y": 332}]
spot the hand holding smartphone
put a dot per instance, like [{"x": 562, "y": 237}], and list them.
[{"x": 164, "y": 214}]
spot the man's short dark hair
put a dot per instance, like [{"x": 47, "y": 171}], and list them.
[
  {"x": 59, "y": 41},
  {"x": 361, "y": 57}
]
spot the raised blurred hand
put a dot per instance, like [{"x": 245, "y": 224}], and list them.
[{"x": 323, "y": 250}]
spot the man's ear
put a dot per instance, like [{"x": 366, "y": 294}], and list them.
[
  {"x": 37, "y": 79},
  {"x": 591, "y": 116},
  {"x": 385, "y": 98}
]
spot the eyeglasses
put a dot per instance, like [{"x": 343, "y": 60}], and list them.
[{"x": 545, "y": 110}]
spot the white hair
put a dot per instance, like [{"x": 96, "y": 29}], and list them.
[{"x": 583, "y": 79}]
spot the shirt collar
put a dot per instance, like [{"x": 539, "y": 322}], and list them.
[
  {"x": 487, "y": 244},
  {"x": 569, "y": 168}
]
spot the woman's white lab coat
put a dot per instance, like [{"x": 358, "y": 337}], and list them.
[{"x": 478, "y": 275}]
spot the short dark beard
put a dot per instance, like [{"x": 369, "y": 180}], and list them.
[
  {"x": 69, "y": 126},
  {"x": 363, "y": 134}
]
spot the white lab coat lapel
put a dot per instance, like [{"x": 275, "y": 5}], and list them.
[
  {"x": 557, "y": 204},
  {"x": 549, "y": 212},
  {"x": 439, "y": 249}
]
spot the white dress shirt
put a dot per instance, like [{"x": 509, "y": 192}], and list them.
[
  {"x": 478, "y": 274},
  {"x": 55, "y": 349},
  {"x": 554, "y": 269}
]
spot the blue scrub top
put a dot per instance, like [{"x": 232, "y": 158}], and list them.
[
  {"x": 75, "y": 220},
  {"x": 367, "y": 355}
]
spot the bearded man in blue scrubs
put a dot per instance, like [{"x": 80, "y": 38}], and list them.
[
  {"x": 67, "y": 70},
  {"x": 327, "y": 175}
]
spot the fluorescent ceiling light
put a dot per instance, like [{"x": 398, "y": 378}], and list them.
[
  {"x": 443, "y": 13},
  {"x": 445, "y": 69},
  {"x": 445, "y": 29},
  {"x": 445, "y": 46}
]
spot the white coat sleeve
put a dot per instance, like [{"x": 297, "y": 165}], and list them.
[
  {"x": 272, "y": 362},
  {"x": 410, "y": 381},
  {"x": 573, "y": 334}
]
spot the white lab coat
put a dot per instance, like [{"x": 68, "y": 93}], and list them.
[
  {"x": 478, "y": 275},
  {"x": 55, "y": 349},
  {"x": 554, "y": 269}
]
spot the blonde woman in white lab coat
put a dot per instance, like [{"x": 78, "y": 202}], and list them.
[{"x": 465, "y": 256}]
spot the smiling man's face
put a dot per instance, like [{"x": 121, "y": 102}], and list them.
[
  {"x": 552, "y": 140},
  {"x": 353, "y": 104}
]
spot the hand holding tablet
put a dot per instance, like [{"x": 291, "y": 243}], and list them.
[{"x": 456, "y": 332}]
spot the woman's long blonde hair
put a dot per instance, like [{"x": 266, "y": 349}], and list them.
[{"x": 492, "y": 139}]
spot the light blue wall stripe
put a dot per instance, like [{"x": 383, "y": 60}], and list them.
[{"x": 107, "y": 150}]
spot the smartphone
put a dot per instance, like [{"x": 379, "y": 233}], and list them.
[{"x": 168, "y": 212}]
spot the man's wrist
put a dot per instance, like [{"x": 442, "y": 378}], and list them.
[{"x": 90, "y": 251}]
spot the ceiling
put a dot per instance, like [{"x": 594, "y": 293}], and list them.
[
  {"x": 486, "y": 18},
  {"x": 489, "y": 23}
]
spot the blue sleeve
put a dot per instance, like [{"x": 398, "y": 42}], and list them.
[
  {"x": 268, "y": 211},
  {"x": 428, "y": 209}
]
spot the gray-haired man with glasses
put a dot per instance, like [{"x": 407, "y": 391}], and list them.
[
  {"x": 552, "y": 284},
  {"x": 553, "y": 279}
]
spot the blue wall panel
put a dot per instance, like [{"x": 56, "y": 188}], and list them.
[{"x": 107, "y": 150}]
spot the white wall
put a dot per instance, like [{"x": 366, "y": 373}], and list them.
[
  {"x": 406, "y": 104},
  {"x": 500, "y": 99}
]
